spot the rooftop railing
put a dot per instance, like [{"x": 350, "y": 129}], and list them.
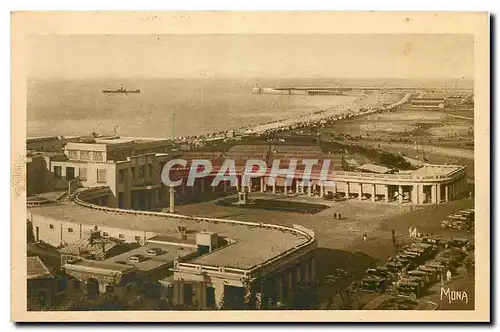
[{"x": 199, "y": 268}]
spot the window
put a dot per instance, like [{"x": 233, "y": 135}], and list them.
[
  {"x": 105, "y": 234},
  {"x": 83, "y": 174},
  {"x": 132, "y": 172},
  {"x": 70, "y": 173},
  {"x": 51, "y": 226},
  {"x": 57, "y": 172},
  {"x": 141, "y": 172},
  {"x": 138, "y": 238},
  {"x": 101, "y": 176},
  {"x": 121, "y": 176},
  {"x": 121, "y": 236},
  {"x": 70, "y": 230}
]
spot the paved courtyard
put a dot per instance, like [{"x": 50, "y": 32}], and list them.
[{"x": 376, "y": 218}]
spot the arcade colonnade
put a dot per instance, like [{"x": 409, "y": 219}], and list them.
[{"x": 374, "y": 189}]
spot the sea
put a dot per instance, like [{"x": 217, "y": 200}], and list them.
[{"x": 173, "y": 107}]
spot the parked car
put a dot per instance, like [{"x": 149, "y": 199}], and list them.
[
  {"x": 407, "y": 288},
  {"x": 374, "y": 284},
  {"x": 154, "y": 251},
  {"x": 460, "y": 243},
  {"x": 434, "y": 273},
  {"x": 136, "y": 258}
]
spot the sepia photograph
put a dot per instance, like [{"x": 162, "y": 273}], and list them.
[{"x": 227, "y": 165}]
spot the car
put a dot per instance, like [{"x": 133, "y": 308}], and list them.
[
  {"x": 431, "y": 239},
  {"x": 373, "y": 284},
  {"x": 460, "y": 243},
  {"x": 434, "y": 274},
  {"x": 329, "y": 196},
  {"x": 381, "y": 272},
  {"x": 136, "y": 258},
  {"x": 426, "y": 276},
  {"x": 154, "y": 251},
  {"x": 408, "y": 288}
]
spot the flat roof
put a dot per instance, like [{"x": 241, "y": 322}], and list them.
[
  {"x": 102, "y": 265},
  {"x": 374, "y": 168},
  {"x": 435, "y": 170},
  {"x": 169, "y": 253},
  {"x": 253, "y": 245}
]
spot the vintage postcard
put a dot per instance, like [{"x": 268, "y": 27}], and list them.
[{"x": 221, "y": 166}]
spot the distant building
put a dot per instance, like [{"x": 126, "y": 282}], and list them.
[
  {"x": 428, "y": 102},
  {"x": 130, "y": 167}
]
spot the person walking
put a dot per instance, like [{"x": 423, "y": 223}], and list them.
[
  {"x": 410, "y": 231},
  {"x": 335, "y": 215},
  {"x": 448, "y": 275},
  {"x": 340, "y": 217},
  {"x": 364, "y": 236}
]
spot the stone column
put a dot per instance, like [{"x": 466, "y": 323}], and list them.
[
  {"x": 297, "y": 187},
  {"x": 261, "y": 297},
  {"x": 400, "y": 196},
  {"x": 360, "y": 195},
  {"x": 414, "y": 194},
  {"x": 374, "y": 193},
  {"x": 386, "y": 194},
  {"x": 306, "y": 272},
  {"x": 219, "y": 293},
  {"x": 446, "y": 192},
  {"x": 290, "y": 283},
  {"x": 438, "y": 195},
  {"x": 237, "y": 184},
  {"x": 321, "y": 189},
  {"x": 172, "y": 200},
  {"x": 421, "y": 197},
  {"x": 347, "y": 193},
  {"x": 262, "y": 184},
  {"x": 433, "y": 194},
  {"x": 274, "y": 187},
  {"x": 279, "y": 282},
  {"x": 313, "y": 269},
  {"x": 285, "y": 188},
  {"x": 310, "y": 189}
]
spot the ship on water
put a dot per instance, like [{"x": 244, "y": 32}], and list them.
[{"x": 121, "y": 89}]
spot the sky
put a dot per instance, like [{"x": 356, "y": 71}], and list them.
[{"x": 424, "y": 56}]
